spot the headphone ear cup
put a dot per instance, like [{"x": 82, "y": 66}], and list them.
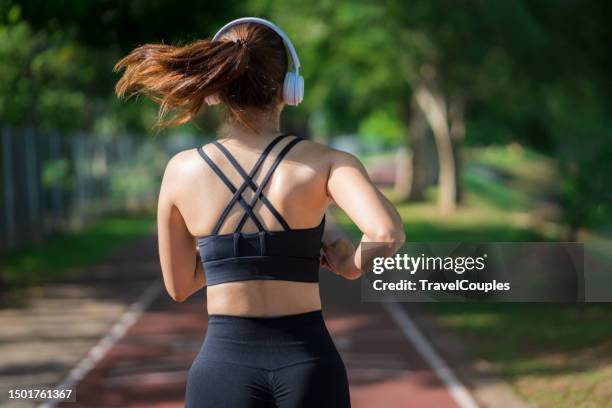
[
  {"x": 288, "y": 89},
  {"x": 212, "y": 99},
  {"x": 299, "y": 90},
  {"x": 293, "y": 89}
]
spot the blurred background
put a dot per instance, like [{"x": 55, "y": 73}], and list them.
[{"x": 481, "y": 120}]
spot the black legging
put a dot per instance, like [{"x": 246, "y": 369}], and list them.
[{"x": 283, "y": 362}]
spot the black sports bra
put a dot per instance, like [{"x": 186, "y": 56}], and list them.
[{"x": 289, "y": 255}]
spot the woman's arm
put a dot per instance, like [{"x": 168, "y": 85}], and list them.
[
  {"x": 183, "y": 273},
  {"x": 352, "y": 190}
]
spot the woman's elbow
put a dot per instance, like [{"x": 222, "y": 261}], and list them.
[
  {"x": 177, "y": 296},
  {"x": 401, "y": 237},
  {"x": 391, "y": 233},
  {"x": 177, "y": 293}
]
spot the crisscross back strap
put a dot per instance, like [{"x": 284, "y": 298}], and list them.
[
  {"x": 232, "y": 188},
  {"x": 258, "y": 193},
  {"x": 248, "y": 181}
]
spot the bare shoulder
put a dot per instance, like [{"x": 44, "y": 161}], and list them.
[
  {"x": 182, "y": 170},
  {"x": 328, "y": 155},
  {"x": 183, "y": 163}
]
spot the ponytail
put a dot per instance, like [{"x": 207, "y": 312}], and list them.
[{"x": 180, "y": 78}]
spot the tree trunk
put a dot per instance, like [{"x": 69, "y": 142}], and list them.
[
  {"x": 433, "y": 106},
  {"x": 404, "y": 173},
  {"x": 571, "y": 232},
  {"x": 456, "y": 113},
  {"x": 411, "y": 171}
]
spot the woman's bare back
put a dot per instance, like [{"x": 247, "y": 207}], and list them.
[
  {"x": 297, "y": 189},
  {"x": 307, "y": 180}
]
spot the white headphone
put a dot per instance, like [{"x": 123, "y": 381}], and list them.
[{"x": 293, "y": 86}]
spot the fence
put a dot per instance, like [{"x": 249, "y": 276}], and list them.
[{"x": 53, "y": 182}]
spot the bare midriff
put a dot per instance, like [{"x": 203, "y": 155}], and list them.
[{"x": 263, "y": 298}]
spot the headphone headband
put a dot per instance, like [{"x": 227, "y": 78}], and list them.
[{"x": 281, "y": 33}]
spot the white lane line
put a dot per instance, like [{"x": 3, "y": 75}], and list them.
[
  {"x": 460, "y": 394},
  {"x": 127, "y": 319}
]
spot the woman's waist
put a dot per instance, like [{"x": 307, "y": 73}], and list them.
[
  {"x": 262, "y": 298},
  {"x": 294, "y": 331}
]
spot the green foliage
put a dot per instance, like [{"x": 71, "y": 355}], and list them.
[
  {"x": 528, "y": 71},
  {"x": 136, "y": 179},
  {"x": 581, "y": 123},
  {"x": 56, "y": 58},
  {"x": 55, "y": 172},
  {"x": 41, "y": 82},
  {"x": 382, "y": 127}
]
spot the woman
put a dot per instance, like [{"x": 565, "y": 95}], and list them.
[{"x": 255, "y": 201}]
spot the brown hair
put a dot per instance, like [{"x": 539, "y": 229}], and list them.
[{"x": 245, "y": 67}]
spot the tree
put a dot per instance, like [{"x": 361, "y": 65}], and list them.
[
  {"x": 383, "y": 52},
  {"x": 57, "y": 58}
]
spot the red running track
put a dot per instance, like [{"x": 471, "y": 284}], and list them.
[{"x": 148, "y": 366}]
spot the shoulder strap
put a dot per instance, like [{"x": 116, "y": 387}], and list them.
[
  {"x": 248, "y": 179},
  {"x": 262, "y": 185},
  {"x": 249, "y": 211}
]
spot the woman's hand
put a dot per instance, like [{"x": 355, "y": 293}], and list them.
[{"x": 338, "y": 256}]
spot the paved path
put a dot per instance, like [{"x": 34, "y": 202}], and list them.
[
  {"x": 85, "y": 330},
  {"x": 147, "y": 366},
  {"x": 47, "y": 330}
]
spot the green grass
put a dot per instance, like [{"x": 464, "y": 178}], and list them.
[
  {"x": 553, "y": 355},
  {"x": 423, "y": 223},
  {"x": 515, "y": 161},
  {"x": 518, "y": 177},
  {"x": 62, "y": 253}
]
